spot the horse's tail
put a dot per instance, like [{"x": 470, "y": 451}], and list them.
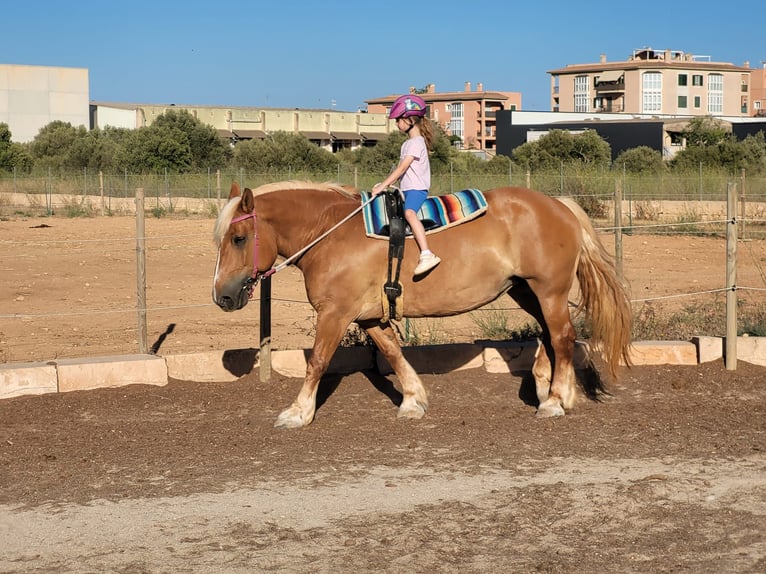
[{"x": 603, "y": 296}]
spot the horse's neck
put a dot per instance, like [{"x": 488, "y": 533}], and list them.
[{"x": 303, "y": 219}]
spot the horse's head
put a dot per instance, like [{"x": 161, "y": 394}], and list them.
[{"x": 240, "y": 262}]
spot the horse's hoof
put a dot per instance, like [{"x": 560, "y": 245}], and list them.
[
  {"x": 289, "y": 419},
  {"x": 551, "y": 410},
  {"x": 416, "y": 411}
]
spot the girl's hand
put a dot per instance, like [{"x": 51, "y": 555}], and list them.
[{"x": 378, "y": 188}]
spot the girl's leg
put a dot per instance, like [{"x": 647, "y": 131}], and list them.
[{"x": 418, "y": 232}]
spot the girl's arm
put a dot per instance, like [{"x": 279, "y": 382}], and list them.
[{"x": 395, "y": 175}]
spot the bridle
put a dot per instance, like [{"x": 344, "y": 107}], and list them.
[{"x": 255, "y": 276}]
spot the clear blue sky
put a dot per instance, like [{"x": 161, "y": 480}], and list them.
[{"x": 313, "y": 53}]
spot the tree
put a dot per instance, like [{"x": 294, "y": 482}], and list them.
[
  {"x": 641, "y": 159},
  {"x": 154, "y": 150},
  {"x": 206, "y": 148},
  {"x": 57, "y": 146},
  {"x": 282, "y": 151},
  {"x": 561, "y": 146},
  {"x": 13, "y": 156},
  {"x": 709, "y": 142}
]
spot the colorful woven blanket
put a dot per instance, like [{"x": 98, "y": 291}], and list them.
[{"x": 437, "y": 213}]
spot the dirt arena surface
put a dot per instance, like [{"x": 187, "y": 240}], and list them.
[{"x": 668, "y": 474}]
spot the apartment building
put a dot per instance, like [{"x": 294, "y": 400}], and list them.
[
  {"x": 758, "y": 91},
  {"x": 469, "y": 116},
  {"x": 664, "y": 82}
]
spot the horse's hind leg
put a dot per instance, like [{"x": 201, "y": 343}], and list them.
[
  {"x": 415, "y": 398},
  {"x": 553, "y": 369},
  {"x": 542, "y": 371}
]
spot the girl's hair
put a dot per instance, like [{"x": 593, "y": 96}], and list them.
[{"x": 426, "y": 130}]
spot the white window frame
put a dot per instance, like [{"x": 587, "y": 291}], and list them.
[
  {"x": 581, "y": 94},
  {"x": 715, "y": 94},
  {"x": 651, "y": 92},
  {"x": 456, "y": 123}
]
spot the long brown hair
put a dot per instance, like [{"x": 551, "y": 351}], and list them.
[{"x": 426, "y": 129}]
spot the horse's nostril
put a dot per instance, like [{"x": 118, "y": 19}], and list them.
[{"x": 226, "y": 302}]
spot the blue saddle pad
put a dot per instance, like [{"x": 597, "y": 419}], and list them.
[{"x": 437, "y": 213}]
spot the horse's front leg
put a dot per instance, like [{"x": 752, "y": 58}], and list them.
[
  {"x": 415, "y": 398},
  {"x": 330, "y": 331}
]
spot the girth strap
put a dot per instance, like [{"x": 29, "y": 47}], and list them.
[{"x": 395, "y": 210}]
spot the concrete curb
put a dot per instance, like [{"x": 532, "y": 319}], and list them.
[{"x": 64, "y": 375}]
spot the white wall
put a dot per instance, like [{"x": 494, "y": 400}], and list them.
[{"x": 31, "y": 97}]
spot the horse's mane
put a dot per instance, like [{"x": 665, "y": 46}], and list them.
[{"x": 227, "y": 212}]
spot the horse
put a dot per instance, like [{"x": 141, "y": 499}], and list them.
[{"x": 528, "y": 245}]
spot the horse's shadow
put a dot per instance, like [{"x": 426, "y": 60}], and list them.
[
  {"x": 589, "y": 380},
  {"x": 330, "y": 383}
]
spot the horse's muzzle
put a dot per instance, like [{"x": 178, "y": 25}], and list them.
[{"x": 232, "y": 298}]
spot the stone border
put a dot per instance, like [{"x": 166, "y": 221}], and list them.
[{"x": 64, "y": 375}]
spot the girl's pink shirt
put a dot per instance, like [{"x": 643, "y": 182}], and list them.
[{"x": 418, "y": 176}]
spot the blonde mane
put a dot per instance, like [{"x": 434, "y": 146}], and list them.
[{"x": 227, "y": 212}]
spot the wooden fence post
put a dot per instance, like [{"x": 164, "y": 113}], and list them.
[
  {"x": 742, "y": 204},
  {"x": 143, "y": 348},
  {"x": 218, "y": 186},
  {"x": 618, "y": 228},
  {"x": 731, "y": 277},
  {"x": 101, "y": 189},
  {"x": 264, "y": 356}
]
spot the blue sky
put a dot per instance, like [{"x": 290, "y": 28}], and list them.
[{"x": 324, "y": 54}]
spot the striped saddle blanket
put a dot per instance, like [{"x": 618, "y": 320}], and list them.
[{"x": 437, "y": 213}]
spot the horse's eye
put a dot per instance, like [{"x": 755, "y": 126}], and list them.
[{"x": 238, "y": 240}]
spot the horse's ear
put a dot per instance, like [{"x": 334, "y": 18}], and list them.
[
  {"x": 234, "y": 190},
  {"x": 247, "y": 204}
]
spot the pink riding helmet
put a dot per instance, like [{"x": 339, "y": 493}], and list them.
[{"x": 406, "y": 106}]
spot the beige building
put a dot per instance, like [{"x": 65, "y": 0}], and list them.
[
  {"x": 469, "y": 115},
  {"x": 758, "y": 91},
  {"x": 31, "y": 97},
  {"x": 654, "y": 82},
  {"x": 330, "y": 129}
]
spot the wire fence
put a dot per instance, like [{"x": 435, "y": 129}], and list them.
[
  {"x": 42, "y": 193},
  {"x": 89, "y": 307}
]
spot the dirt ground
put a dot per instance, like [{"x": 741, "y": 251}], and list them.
[{"x": 667, "y": 474}]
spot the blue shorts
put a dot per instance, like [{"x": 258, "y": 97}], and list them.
[{"x": 414, "y": 198}]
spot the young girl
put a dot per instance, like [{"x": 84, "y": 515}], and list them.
[{"x": 414, "y": 170}]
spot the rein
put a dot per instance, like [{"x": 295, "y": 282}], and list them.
[{"x": 256, "y": 276}]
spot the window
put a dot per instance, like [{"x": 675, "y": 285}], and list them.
[
  {"x": 683, "y": 80},
  {"x": 697, "y": 102},
  {"x": 681, "y": 101},
  {"x": 697, "y": 80},
  {"x": 757, "y": 105},
  {"x": 715, "y": 93},
  {"x": 456, "y": 122},
  {"x": 651, "y": 89},
  {"x": 581, "y": 93}
]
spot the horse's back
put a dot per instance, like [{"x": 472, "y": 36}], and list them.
[{"x": 533, "y": 214}]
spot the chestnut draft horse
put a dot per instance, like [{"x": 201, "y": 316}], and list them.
[{"x": 526, "y": 244}]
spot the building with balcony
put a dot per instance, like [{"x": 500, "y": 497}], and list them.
[
  {"x": 654, "y": 82},
  {"x": 758, "y": 91},
  {"x": 468, "y": 116}
]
